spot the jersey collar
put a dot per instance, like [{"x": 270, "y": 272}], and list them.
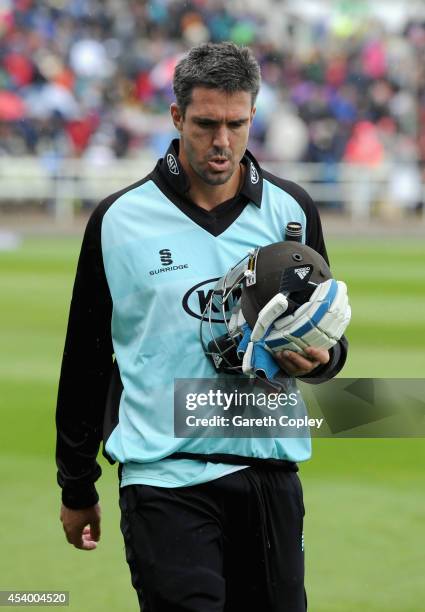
[{"x": 172, "y": 172}]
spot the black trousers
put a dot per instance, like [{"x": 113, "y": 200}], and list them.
[{"x": 230, "y": 545}]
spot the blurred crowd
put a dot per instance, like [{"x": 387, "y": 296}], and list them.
[{"x": 92, "y": 79}]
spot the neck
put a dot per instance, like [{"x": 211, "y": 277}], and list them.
[{"x": 209, "y": 196}]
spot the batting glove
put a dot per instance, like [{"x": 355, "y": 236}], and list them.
[{"x": 320, "y": 323}]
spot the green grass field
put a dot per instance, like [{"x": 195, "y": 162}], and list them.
[{"x": 365, "y": 499}]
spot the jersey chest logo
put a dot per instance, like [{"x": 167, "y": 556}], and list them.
[
  {"x": 166, "y": 259},
  {"x": 196, "y": 300}
]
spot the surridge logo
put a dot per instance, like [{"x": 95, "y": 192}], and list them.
[
  {"x": 255, "y": 177},
  {"x": 172, "y": 164},
  {"x": 166, "y": 262},
  {"x": 166, "y": 257}
]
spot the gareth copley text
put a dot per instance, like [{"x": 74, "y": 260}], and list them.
[{"x": 264, "y": 421}]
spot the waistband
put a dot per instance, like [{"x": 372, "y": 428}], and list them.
[{"x": 266, "y": 464}]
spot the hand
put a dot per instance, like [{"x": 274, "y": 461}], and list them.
[
  {"x": 318, "y": 323},
  {"x": 82, "y": 527},
  {"x": 296, "y": 364}
]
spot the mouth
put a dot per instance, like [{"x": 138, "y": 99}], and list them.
[{"x": 219, "y": 164}]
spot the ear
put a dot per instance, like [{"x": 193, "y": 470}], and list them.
[
  {"x": 253, "y": 111},
  {"x": 176, "y": 116}
]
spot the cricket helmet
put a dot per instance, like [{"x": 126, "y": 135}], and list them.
[{"x": 287, "y": 267}]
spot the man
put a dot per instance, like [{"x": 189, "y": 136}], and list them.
[{"x": 200, "y": 535}]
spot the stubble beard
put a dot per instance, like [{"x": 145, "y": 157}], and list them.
[{"x": 209, "y": 177}]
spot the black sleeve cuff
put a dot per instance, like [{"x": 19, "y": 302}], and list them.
[
  {"x": 80, "y": 498},
  {"x": 323, "y": 373}
]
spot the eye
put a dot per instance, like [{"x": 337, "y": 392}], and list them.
[{"x": 205, "y": 124}]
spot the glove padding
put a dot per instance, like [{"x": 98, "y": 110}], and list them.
[{"x": 320, "y": 323}]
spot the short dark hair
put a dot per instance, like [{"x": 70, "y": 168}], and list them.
[{"x": 223, "y": 66}]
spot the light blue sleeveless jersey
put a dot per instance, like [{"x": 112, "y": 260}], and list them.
[{"x": 159, "y": 263}]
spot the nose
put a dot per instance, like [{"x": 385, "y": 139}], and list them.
[{"x": 221, "y": 137}]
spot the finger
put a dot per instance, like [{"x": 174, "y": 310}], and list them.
[
  {"x": 320, "y": 355},
  {"x": 95, "y": 529},
  {"x": 289, "y": 368},
  {"x": 283, "y": 361},
  {"x": 74, "y": 533},
  {"x": 74, "y": 537},
  {"x": 83, "y": 541},
  {"x": 299, "y": 362},
  {"x": 88, "y": 543}
]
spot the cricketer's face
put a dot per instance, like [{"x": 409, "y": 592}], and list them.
[{"x": 214, "y": 133}]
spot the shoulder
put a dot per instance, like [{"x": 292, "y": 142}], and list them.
[
  {"x": 293, "y": 189},
  {"x": 96, "y": 218},
  {"x": 103, "y": 207},
  {"x": 314, "y": 234}
]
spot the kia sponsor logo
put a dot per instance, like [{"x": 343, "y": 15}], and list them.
[
  {"x": 254, "y": 174},
  {"x": 197, "y": 298},
  {"x": 172, "y": 164}
]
